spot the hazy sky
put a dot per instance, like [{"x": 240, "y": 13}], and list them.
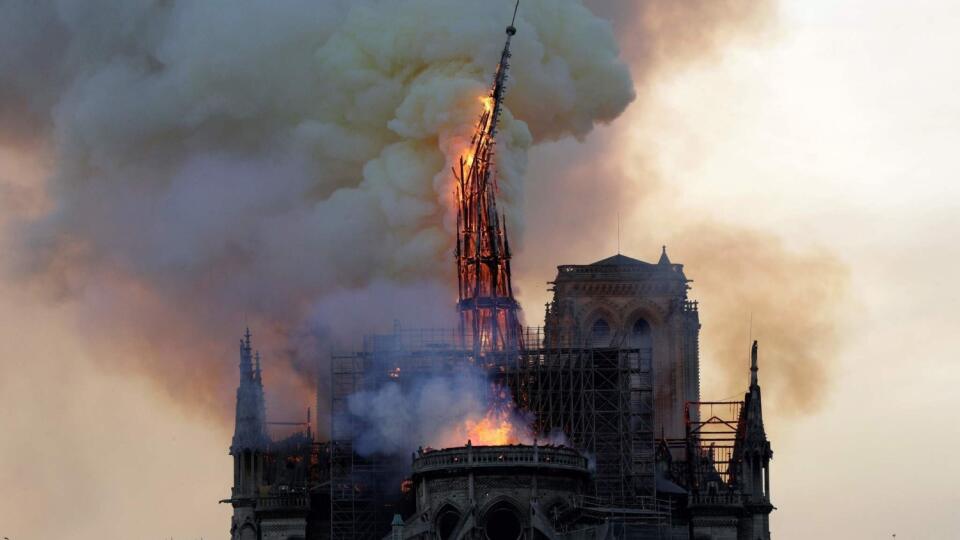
[{"x": 837, "y": 130}]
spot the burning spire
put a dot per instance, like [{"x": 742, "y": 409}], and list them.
[{"x": 489, "y": 317}]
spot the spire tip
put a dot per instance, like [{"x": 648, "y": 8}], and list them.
[
  {"x": 664, "y": 259},
  {"x": 511, "y": 30}
]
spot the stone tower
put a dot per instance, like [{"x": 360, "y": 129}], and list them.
[
  {"x": 623, "y": 302},
  {"x": 754, "y": 453},
  {"x": 250, "y": 441}
]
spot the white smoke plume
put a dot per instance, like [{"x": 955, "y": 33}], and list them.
[
  {"x": 431, "y": 410},
  {"x": 219, "y": 163}
]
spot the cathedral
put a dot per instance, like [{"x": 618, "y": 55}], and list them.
[
  {"x": 616, "y": 368},
  {"x": 622, "y": 445}
]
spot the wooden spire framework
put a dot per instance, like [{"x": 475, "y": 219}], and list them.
[{"x": 489, "y": 314}]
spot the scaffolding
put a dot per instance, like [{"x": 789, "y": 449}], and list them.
[
  {"x": 600, "y": 399},
  {"x": 714, "y": 430},
  {"x": 360, "y": 497},
  {"x": 357, "y": 493}
]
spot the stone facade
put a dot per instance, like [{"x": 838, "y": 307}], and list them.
[
  {"x": 624, "y": 302},
  {"x": 272, "y": 480},
  {"x": 283, "y": 529},
  {"x": 495, "y": 492}
]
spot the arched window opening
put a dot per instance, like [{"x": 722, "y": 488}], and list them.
[
  {"x": 641, "y": 329},
  {"x": 641, "y": 337},
  {"x": 502, "y": 522},
  {"x": 247, "y": 533},
  {"x": 600, "y": 333},
  {"x": 248, "y": 464},
  {"x": 447, "y": 520},
  {"x": 640, "y": 334}
]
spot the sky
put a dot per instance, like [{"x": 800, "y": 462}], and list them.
[
  {"x": 839, "y": 129},
  {"x": 834, "y": 130}
]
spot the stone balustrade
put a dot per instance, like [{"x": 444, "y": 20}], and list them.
[{"x": 557, "y": 457}]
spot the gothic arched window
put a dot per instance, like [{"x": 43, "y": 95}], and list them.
[
  {"x": 247, "y": 533},
  {"x": 502, "y": 522},
  {"x": 640, "y": 333},
  {"x": 641, "y": 337},
  {"x": 600, "y": 333},
  {"x": 447, "y": 520}
]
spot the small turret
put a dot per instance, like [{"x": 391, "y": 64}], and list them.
[
  {"x": 246, "y": 366},
  {"x": 753, "y": 449},
  {"x": 250, "y": 442},
  {"x": 755, "y": 436},
  {"x": 250, "y": 428},
  {"x": 396, "y": 527},
  {"x": 663, "y": 257}
]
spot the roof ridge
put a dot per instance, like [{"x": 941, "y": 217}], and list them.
[{"x": 620, "y": 260}]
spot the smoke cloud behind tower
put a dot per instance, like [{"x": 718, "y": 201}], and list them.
[
  {"x": 286, "y": 166},
  {"x": 213, "y": 166}
]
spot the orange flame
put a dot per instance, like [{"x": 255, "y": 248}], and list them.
[
  {"x": 499, "y": 425},
  {"x": 468, "y": 152},
  {"x": 487, "y": 103},
  {"x": 495, "y": 428}
]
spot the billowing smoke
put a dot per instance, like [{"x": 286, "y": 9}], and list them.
[
  {"x": 751, "y": 284},
  {"x": 661, "y": 34},
  {"x": 795, "y": 294},
  {"x": 435, "y": 410},
  {"x": 282, "y": 165},
  {"x": 394, "y": 419}
]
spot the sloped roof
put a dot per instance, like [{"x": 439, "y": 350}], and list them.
[
  {"x": 620, "y": 260},
  {"x": 663, "y": 257}
]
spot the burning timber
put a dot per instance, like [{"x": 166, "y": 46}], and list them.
[{"x": 594, "y": 426}]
